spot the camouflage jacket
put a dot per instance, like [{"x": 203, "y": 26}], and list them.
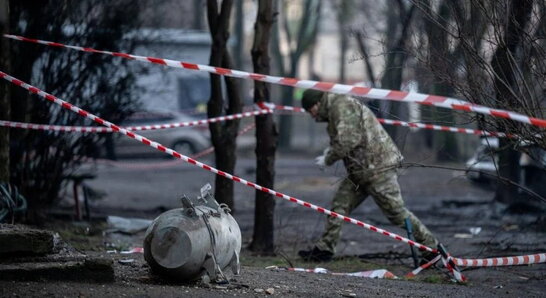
[{"x": 356, "y": 137}]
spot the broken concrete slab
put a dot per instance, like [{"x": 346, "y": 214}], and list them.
[
  {"x": 90, "y": 270},
  {"x": 31, "y": 255},
  {"x": 21, "y": 240}
]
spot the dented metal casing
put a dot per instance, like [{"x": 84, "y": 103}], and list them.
[{"x": 199, "y": 240}]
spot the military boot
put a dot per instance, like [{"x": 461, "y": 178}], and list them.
[{"x": 315, "y": 255}]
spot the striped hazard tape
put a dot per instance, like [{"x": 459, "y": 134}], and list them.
[
  {"x": 377, "y": 273},
  {"x": 266, "y": 110},
  {"x": 187, "y": 159},
  {"x": 424, "y": 266},
  {"x": 406, "y": 124},
  {"x": 490, "y": 262},
  {"x": 375, "y": 93},
  {"x": 86, "y": 129},
  {"x": 165, "y": 164},
  {"x": 60, "y": 128},
  {"x": 463, "y": 130},
  {"x": 449, "y": 261},
  {"x": 502, "y": 261},
  {"x": 201, "y": 122}
]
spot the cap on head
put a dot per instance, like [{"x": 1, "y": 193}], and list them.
[{"x": 310, "y": 98}]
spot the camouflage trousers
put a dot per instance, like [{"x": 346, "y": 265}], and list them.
[{"x": 385, "y": 191}]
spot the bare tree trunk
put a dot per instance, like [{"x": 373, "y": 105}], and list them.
[
  {"x": 397, "y": 55},
  {"x": 374, "y": 105},
  {"x": 364, "y": 52},
  {"x": 239, "y": 46},
  {"x": 439, "y": 60},
  {"x": 343, "y": 17},
  {"x": 306, "y": 37},
  {"x": 198, "y": 17},
  {"x": 4, "y": 93},
  {"x": 286, "y": 121},
  {"x": 285, "y": 125},
  {"x": 473, "y": 30},
  {"x": 287, "y": 93},
  {"x": 223, "y": 135},
  {"x": 444, "y": 56},
  {"x": 266, "y": 136},
  {"x": 504, "y": 65}
]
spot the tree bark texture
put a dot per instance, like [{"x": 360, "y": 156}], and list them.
[
  {"x": 397, "y": 36},
  {"x": 505, "y": 66},
  {"x": 266, "y": 136},
  {"x": 239, "y": 46},
  {"x": 441, "y": 62},
  {"x": 359, "y": 37},
  {"x": 223, "y": 135}
]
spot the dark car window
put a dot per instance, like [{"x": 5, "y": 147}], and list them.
[{"x": 192, "y": 92}]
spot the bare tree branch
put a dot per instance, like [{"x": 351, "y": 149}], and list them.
[{"x": 500, "y": 178}]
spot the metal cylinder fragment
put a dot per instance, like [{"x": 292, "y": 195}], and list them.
[{"x": 199, "y": 240}]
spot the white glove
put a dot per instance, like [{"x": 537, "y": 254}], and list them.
[
  {"x": 319, "y": 161},
  {"x": 326, "y": 151}
]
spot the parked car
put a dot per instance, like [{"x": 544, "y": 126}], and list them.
[
  {"x": 185, "y": 140},
  {"x": 483, "y": 165}
]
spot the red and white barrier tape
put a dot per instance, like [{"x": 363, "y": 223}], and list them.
[
  {"x": 518, "y": 260},
  {"x": 134, "y": 250},
  {"x": 448, "y": 262},
  {"x": 375, "y": 93},
  {"x": 408, "y": 124},
  {"x": 446, "y": 128},
  {"x": 85, "y": 129},
  {"x": 378, "y": 273},
  {"x": 165, "y": 164},
  {"x": 490, "y": 262},
  {"x": 211, "y": 149},
  {"x": 60, "y": 128},
  {"x": 201, "y": 122},
  {"x": 423, "y": 267},
  {"x": 459, "y": 277},
  {"x": 177, "y": 155},
  {"x": 502, "y": 261},
  {"x": 450, "y": 265}
]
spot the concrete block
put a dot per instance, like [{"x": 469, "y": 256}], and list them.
[{"x": 20, "y": 240}]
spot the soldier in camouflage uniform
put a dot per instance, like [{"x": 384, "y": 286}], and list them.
[{"x": 371, "y": 159}]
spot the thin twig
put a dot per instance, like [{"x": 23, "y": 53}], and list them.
[{"x": 502, "y": 179}]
